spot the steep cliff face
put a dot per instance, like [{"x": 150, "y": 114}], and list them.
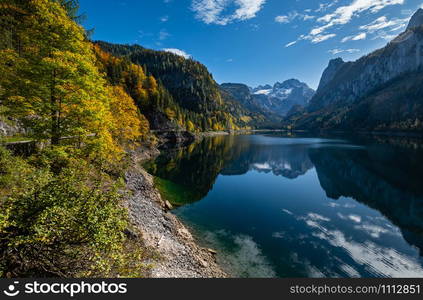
[
  {"x": 348, "y": 82},
  {"x": 330, "y": 72},
  {"x": 416, "y": 19},
  {"x": 380, "y": 91}
]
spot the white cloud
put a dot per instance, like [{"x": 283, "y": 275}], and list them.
[
  {"x": 290, "y": 44},
  {"x": 338, "y": 51},
  {"x": 308, "y": 17},
  {"x": 358, "y": 37},
  {"x": 315, "y": 39},
  {"x": 214, "y": 11},
  {"x": 344, "y": 14},
  {"x": 282, "y": 19},
  {"x": 164, "y": 19},
  {"x": 326, "y": 6},
  {"x": 320, "y": 38},
  {"x": 292, "y": 16},
  {"x": 341, "y": 16},
  {"x": 178, "y": 52},
  {"x": 383, "y": 22},
  {"x": 385, "y": 36}
]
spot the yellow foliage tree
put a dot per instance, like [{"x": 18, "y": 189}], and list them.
[
  {"x": 128, "y": 123},
  {"x": 57, "y": 89}
]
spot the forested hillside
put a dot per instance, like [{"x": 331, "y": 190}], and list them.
[
  {"x": 61, "y": 212},
  {"x": 191, "y": 87}
]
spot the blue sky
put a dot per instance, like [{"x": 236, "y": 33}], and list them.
[{"x": 253, "y": 41}]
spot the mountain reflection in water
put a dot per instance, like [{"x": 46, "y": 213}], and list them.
[{"x": 277, "y": 206}]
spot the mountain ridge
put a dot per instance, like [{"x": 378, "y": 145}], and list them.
[
  {"x": 276, "y": 100},
  {"x": 199, "y": 99},
  {"x": 359, "y": 95}
]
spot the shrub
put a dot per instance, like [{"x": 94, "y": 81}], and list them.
[{"x": 69, "y": 224}]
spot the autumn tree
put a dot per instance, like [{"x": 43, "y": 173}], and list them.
[
  {"x": 60, "y": 91},
  {"x": 128, "y": 123}
]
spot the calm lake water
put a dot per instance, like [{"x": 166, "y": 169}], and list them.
[{"x": 276, "y": 206}]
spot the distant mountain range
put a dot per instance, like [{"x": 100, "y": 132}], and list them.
[
  {"x": 382, "y": 91},
  {"x": 273, "y": 101},
  {"x": 189, "y": 97}
]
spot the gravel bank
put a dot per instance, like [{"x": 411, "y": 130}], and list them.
[{"x": 163, "y": 232}]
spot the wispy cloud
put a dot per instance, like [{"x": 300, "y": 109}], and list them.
[
  {"x": 341, "y": 16},
  {"x": 214, "y": 11},
  {"x": 384, "y": 36},
  {"x": 320, "y": 38},
  {"x": 383, "y": 22},
  {"x": 293, "y": 16},
  {"x": 358, "y": 37},
  {"x": 164, "y": 19},
  {"x": 344, "y": 14},
  {"x": 291, "y": 44},
  {"x": 326, "y": 6},
  {"x": 178, "y": 52},
  {"x": 315, "y": 39},
  {"x": 339, "y": 51},
  {"x": 282, "y": 19}
]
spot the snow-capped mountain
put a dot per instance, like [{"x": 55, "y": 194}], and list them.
[{"x": 283, "y": 96}]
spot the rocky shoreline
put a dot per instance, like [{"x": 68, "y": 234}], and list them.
[{"x": 179, "y": 254}]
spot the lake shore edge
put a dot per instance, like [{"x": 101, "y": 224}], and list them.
[{"x": 179, "y": 254}]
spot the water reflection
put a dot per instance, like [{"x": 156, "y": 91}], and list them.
[
  {"x": 385, "y": 178},
  {"x": 276, "y": 206}
]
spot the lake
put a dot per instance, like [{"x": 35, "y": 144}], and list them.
[{"x": 280, "y": 206}]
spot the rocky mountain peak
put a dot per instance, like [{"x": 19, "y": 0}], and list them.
[
  {"x": 290, "y": 83},
  {"x": 263, "y": 87},
  {"x": 330, "y": 71},
  {"x": 280, "y": 97},
  {"x": 336, "y": 61},
  {"x": 416, "y": 19}
]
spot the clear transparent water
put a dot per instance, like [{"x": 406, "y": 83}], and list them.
[{"x": 275, "y": 206}]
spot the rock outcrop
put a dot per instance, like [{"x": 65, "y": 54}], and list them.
[
  {"x": 348, "y": 82},
  {"x": 10, "y": 128},
  {"x": 330, "y": 72},
  {"x": 416, "y": 19},
  {"x": 380, "y": 91}
]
